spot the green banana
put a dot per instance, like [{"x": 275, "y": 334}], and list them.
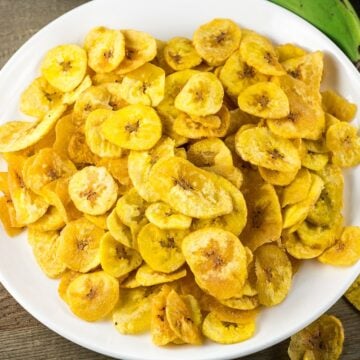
[{"x": 336, "y": 18}]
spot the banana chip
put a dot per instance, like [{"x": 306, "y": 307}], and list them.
[
  {"x": 264, "y": 216},
  {"x": 44, "y": 167},
  {"x": 18, "y": 135},
  {"x": 220, "y": 271},
  {"x": 216, "y": 40},
  {"x": 344, "y": 143},
  {"x": 264, "y": 99},
  {"x": 202, "y": 95},
  {"x": 79, "y": 245},
  {"x": 119, "y": 231},
  {"x": 260, "y": 147},
  {"x": 307, "y": 68},
  {"x": 140, "y": 48},
  {"x": 274, "y": 273},
  {"x": 38, "y": 98},
  {"x": 323, "y": 339},
  {"x": 145, "y": 85},
  {"x": 226, "y": 332},
  {"x": 180, "y": 54},
  {"x": 298, "y": 189},
  {"x": 346, "y": 250},
  {"x": 105, "y": 48},
  {"x": 161, "y": 215},
  {"x": 161, "y": 249},
  {"x": 197, "y": 127},
  {"x": 133, "y": 313},
  {"x": 52, "y": 220},
  {"x": 338, "y": 106},
  {"x": 45, "y": 247},
  {"x": 189, "y": 190},
  {"x": 115, "y": 258},
  {"x": 134, "y": 127},
  {"x": 93, "y": 190},
  {"x": 94, "y": 137},
  {"x": 145, "y": 276},
  {"x": 161, "y": 331},
  {"x": 236, "y": 75},
  {"x": 93, "y": 296},
  {"x": 140, "y": 164},
  {"x": 7, "y": 217},
  {"x": 66, "y": 278},
  {"x": 353, "y": 293},
  {"x": 289, "y": 51},
  {"x": 95, "y": 97},
  {"x": 258, "y": 52},
  {"x": 279, "y": 178},
  {"x": 64, "y": 67},
  {"x": 305, "y": 118},
  {"x": 181, "y": 318}
]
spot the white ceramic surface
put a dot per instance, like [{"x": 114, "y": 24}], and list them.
[{"x": 315, "y": 288}]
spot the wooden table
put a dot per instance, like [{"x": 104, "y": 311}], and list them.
[{"x": 22, "y": 336}]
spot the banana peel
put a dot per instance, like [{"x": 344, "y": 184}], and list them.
[{"x": 336, "y": 18}]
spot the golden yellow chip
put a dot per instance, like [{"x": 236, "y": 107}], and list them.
[
  {"x": 140, "y": 48},
  {"x": 305, "y": 118},
  {"x": 236, "y": 75},
  {"x": 132, "y": 315},
  {"x": 64, "y": 66},
  {"x": 197, "y": 127},
  {"x": 307, "y": 68},
  {"x": 330, "y": 201},
  {"x": 257, "y": 51},
  {"x": 119, "y": 231},
  {"x": 28, "y": 206},
  {"x": 161, "y": 215},
  {"x": 181, "y": 318},
  {"x": 220, "y": 271},
  {"x": 18, "y": 135},
  {"x": 93, "y": 190},
  {"x": 140, "y": 164},
  {"x": 202, "y": 95},
  {"x": 94, "y": 137},
  {"x": 117, "y": 259},
  {"x": 189, "y": 190},
  {"x": 44, "y": 167},
  {"x": 274, "y": 274},
  {"x": 95, "y": 97},
  {"x": 323, "y": 339},
  {"x": 105, "y": 48},
  {"x": 66, "y": 278},
  {"x": 279, "y": 178},
  {"x": 298, "y": 189},
  {"x": 289, "y": 51},
  {"x": 38, "y": 98},
  {"x": 226, "y": 332},
  {"x": 353, "y": 293},
  {"x": 216, "y": 40},
  {"x": 79, "y": 245},
  {"x": 144, "y": 85},
  {"x": 161, "y": 249},
  {"x": 161, "y": 332},
  {"x": 134, "y": 127},
  {"x": 344, "y": 143},
  {"x": 264, "y": 216},
  {"x": 52, "y": 220},
  {"x": 346, "y": 250},
  {"x": 7, "y": 218},
  {"x": 260, "y": 147},
  {"x": 45, "y": 247},
  {"x": 180, "y": 54},
  {"x": 146, "y": 276},
  {"x": 338, "y": 106},
  {"x": 93, "y": 296}
]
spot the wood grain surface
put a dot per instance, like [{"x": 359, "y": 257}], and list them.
[{"x": 22, "y": 336}]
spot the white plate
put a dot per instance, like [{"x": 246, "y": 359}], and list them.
[{"x": 316, "y": 287}]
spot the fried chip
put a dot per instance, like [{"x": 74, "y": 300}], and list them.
[{"x": 323, "y": 339}]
